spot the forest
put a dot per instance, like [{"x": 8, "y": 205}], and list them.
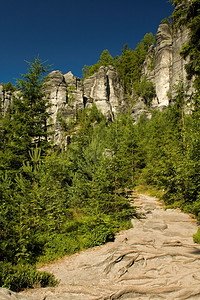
[{"x": 57, "y": 201}]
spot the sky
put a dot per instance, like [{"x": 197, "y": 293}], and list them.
[{"x": 69, "y": 34}]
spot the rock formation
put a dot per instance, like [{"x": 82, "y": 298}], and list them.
[
  {"x": 163, "y": 66},
  {"x": 179, "y": 38},
  {"x": 163, "y": 58},
  {"x": 5, "y": 98},
  {"x": 105, "y": 90},
  {"x": 169, "y": 66},
  {"x": 68, "y": 94}
]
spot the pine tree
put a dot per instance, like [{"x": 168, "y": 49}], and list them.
[{"x": 26, "y": 122}]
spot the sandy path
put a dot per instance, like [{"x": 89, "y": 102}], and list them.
[{"x": 157, "y": 259}]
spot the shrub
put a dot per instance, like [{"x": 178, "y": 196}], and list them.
[
  {"x": 146, "y": 90},
  {"x": 19, "y": 277},
  {"x": 196, "y": 237}
]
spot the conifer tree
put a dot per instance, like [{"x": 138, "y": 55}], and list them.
[{"x": 26, "y": 122}]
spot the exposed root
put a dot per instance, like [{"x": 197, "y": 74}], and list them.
[
  {"x": 125, "y": 269},
  {"x": 109, "y": 258},
  {"x": 142, "y": 277},
  {"x": 178, "y": 244},
  {"x": 117, "y": 260},
  {"x": 143, "y": 290}
]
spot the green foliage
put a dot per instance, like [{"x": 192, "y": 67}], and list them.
[
  {"x": 179, "y": 14},
  {"x": 26, "y": 122},
  {"x": 169, "y": 147},
  {"x": 19, "y": 277},
  {"x": 8, "y": 87},
  {"x": 105, "y": 60},
  {"x": 57, "y": 203},
  {"x": 165, "y": 21},
  {"x": 128, "y": 65},
  {"x": 187, "y": 14},
  {"x": 146, "y": 90},
  {"x": 95, "y": 231},
  {"x": 196, "y": 237}
]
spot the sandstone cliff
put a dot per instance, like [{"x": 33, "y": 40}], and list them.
[
  {"x": 169, "y": 66},
  {"x": 68, "y": 94},
  {"x": 163, "y": 66},
  {"x": 5, "y": 98}
]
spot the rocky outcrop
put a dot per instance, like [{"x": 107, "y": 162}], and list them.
[
  {"x": 163, "y": 59},
  {"x": 178, "y": 71},
  {"x": 169, "y": 66},
  {"x": 56, "y": 91},
  {"x": 5, "y": 98},
  {"x": 68, "y": 94},
  {"x": 105, "y": 90},
  {"x": 163, "y": 66}
]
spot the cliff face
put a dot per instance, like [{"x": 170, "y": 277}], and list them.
[
  {"x": 169, "y": 66},
  {"x": 163, "y": 66},
  {"x": 105, "y": 90},
  {"x": 163, "y": 59},
  {"x": 5, "y": 98},
  {"x": 68, "y": 94}
]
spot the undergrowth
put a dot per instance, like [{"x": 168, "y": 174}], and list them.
[{"x": 18, "y": 277}]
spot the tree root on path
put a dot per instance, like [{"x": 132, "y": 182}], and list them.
[
  {"x": 137, "y": 277},
  {"x": 144, "y": 290},
  {"x": 117, "y": 260},
  {"x": 124, "y": 270},
  {"x": 179, "y": 244}
]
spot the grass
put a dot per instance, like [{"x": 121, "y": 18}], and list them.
[{"x": 149, "y": 191}]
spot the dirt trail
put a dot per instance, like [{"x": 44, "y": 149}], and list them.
[{"x": 157, "y": 259}]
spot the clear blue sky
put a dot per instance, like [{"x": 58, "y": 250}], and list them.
[{"x": 72, "y": 33}]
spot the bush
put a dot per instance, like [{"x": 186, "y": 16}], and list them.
[
  {"x": 98, "y": 235},
  {"x": 19, "y": 277},
  {"x": 196, "y": 237},
  {"x": 8, "y": 87},
  {"x": 146, "y": 90},
  {"x": 58, "y": 245},
  {"x": 165, "y": 21}
]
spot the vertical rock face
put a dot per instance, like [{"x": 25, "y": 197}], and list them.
[
  {"x": 74, "y": 91},
  {"x": 56, "y": 92},
  {"x": 56, "y": 89},
  {"x": 169, "y": 66},
  {"x": 163, "y": 59},
  {"x": 6, "y": 99},
  {"x": 67, "y": 94},
  {"x": 178, "y": 71},
  {"x": 163, "y": 66},
  {"x": 105, "y": 90},
  {"x": 96, "y": 89}
]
